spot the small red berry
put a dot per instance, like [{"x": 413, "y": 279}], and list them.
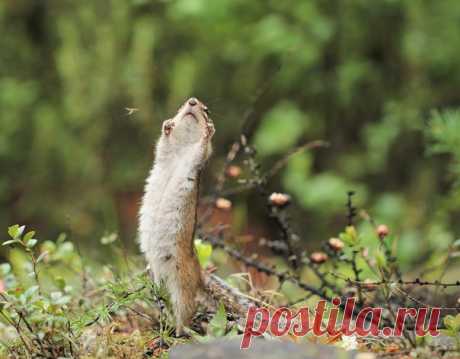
[
  {"x": 336, "y": 244},
  {"x": 382, "y": 231},
  {"x": 318, "y": 257},
  {"x": 223, "y": 203},
  {"x": 233, "y": 171},
  {"x": 279, "y": 199}
]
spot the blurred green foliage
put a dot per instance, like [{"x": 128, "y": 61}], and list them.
[{"x": 364, "y": 76}]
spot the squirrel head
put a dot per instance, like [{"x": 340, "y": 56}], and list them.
[{"x": 190, "y": 125}]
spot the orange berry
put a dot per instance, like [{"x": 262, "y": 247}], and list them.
[
  {"x": 382, "y": 231},
  {"x": 318, "y": 257},
  {"x": 233, "y": 171},
  {"x": 336, "y": 244},
  {"x": 279, "y": 199},
  {"x": 223, "y": 203}
]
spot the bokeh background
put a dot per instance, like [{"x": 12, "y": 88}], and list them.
[{"x": 378, "y": 80}]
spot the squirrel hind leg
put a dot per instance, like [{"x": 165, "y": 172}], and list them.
[
  {"x": 179, "y": 331},
  {"x": 184, "y": 310},
  {"x": 183, "y": 319}
]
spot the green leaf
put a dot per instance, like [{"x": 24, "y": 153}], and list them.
[
  {"x": 202, "y": 338},
  {"x": 448, "y": 320},
  {"x": 42, "y": 256},
  {"x": 350, "y": 236},
  {"x": 28, "y": 236},
  {"x": 218, "y": 324},
  {"x": 11, "y": 241},
  {"x": 204, "y": 251},
  {"x": 60, "y": 282},
  {"x": 5, "y": 268},
  {"x": 352, "y": 233},
  {"x": 31, "y": 243},
  {"x": 380, "y": 259},
  {"x": 453, "y": 323},
  {"x": 109, "y": 238},
  {"x": 15, "y": 231},
  {"x": 48, "y": 246},
  {"x": 233, "y": 332},
  {"x": 457, "y": 320},
  {"x": 31, "y": 291},
  {"x": 447, "y": 332}
]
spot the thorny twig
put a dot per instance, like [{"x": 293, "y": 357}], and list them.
[
  {"x": 265, "y": 177},
  {"x": 282, "y": 277},
  {"x": 351, "y": 214},
  {"x": 264, "y": 269},
  {"x": 416, "y": 281},
  {"x": 351, "y": 210},
  {"x": 278, "y": 214},
  {"x": 284, "y": 160}
]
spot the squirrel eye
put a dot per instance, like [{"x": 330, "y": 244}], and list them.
[{"x": 205, "y": 109}]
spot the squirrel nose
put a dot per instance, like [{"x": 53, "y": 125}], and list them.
[{"x": 193, "y": 101}]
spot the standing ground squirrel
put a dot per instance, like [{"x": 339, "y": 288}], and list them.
[{"x": 167, "y": 216}]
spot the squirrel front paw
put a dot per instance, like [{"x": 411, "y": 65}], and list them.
[
  {"x": 168, "y": 126},
  {"x": 209, "y": 131}
]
